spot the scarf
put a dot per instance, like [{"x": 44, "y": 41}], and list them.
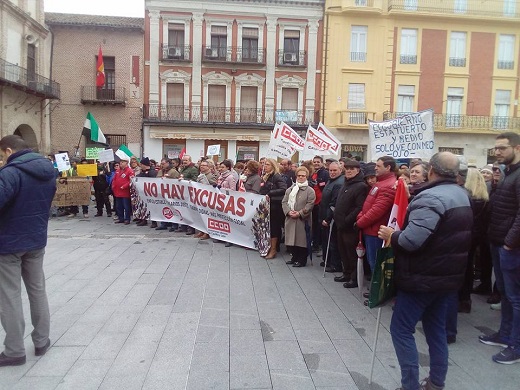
[{"x": 292, "y": 195}]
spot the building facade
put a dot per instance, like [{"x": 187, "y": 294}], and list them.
[
  {"x": 117, "y": 106},
  {"x": 26, "y": 88},
  {"x": 223, "y": 72},
  {"x": 458, "y": 57}
]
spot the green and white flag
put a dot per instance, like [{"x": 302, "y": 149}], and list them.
[
  {"x": 124, "y": 153},
  {"x": 92, "y": 126}
]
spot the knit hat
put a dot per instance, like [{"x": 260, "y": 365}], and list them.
[
  {"x": 369, "y": 170},
  {"x": 488, "y": 168},
  {"x": 145, "y": 161}
]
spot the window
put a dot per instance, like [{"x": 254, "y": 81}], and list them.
[
  {"x": 356, "y": 101},
  {"x": 289, "y": 106},
  {"x": 410, "y": 5},
  {"x": 291, "y": 47},
  {"x": 175, "y": 41},
  {"x": 502, "y": 103},
  {"x": 216, "y": 103},
  {"x": 460, "y": 6},
  {"x": 361, "y": 3},
  {"x": 249, "y": 44},
  {"x": 405, "y": 99},
  {"x": 108, "y": 91},
  {"x": 175, "y": 101},
  {"x": 506, "y": 51},
  {"x": 454, "y": 107},
  {"x": 408, "y": 46},
  {"x": 218, "y": 42},
  {"x": 458, "y": 49},
  {"x": 248, "y": 104},
  {"x": 509, "y": 7},
  {"x": 31, "y": 62},
  {"x": 358, "y": 44},
  {"x": 115, "y": 140}
]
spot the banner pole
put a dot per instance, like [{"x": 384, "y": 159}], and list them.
[{"x": 374, "y": 346}]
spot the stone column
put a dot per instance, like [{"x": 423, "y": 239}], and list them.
[
  {"x": 271, "y": 59},
  {"x": 310, "y": 103},
  {"x": 196, "y": 79},
  {"x": 153, "y": 97}
]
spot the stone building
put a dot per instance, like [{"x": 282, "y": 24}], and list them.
[
  {"x": 26, "y": 88},
  {"x": 117, "y": 106}
]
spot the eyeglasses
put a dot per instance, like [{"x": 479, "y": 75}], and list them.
[
  {"x": 502, "y": 148},
  {"x": 301, "y": 175}
]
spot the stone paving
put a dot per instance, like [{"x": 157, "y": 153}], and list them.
[{"x": 133, "y": 308}]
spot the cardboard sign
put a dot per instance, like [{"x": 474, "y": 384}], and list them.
[
  {"x": 87, "y": 170},
  {"x": 72, "y": 191},
  {"x": 106, "y": 156}
]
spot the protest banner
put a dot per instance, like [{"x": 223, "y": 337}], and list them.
[
  {"x": 407, "y": 136},
  {"x": 62, "y": 161},
  {"x": 87, "y": 170},
  {"x": 106, "y": 156},
  {"x": 278, "y": 148},
  {"x": 213, "y": 150},
  {"x": 321, "y": 141},
  {"x": 72, "y": 191},
  {"x": 287, "y": 135},
  {"x": 238, "y": 217}
]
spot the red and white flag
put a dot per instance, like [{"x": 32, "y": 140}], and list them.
[{"x": 398, "y": 213}]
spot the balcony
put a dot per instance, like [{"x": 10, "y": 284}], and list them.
[
  {"x": 95, "y": 95},
  {"x": 176, "y": 53},
  {"x": 234, "y": 55},
  {"x": 224, "y": 115},
  {"x": 506, "y": 65},
  {"x": 457, "y": 62},
  {"x": 19, "y": 78},
  {"x": 355, "y": 118},
  {"x": 292, "y": 58},
  {"x": 408, "y": 59},
  {"x": 469, "y": 122},
  {"x": 489, "y": 8}
]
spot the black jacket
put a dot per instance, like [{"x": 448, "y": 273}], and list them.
[
  {"x": 349, "y": 203},
  {"x": 431, "y": 252},
  {"x": 504, "y": 224},
  {"x": 275, "y": 187},
  {"x": 329, "y": 196}
]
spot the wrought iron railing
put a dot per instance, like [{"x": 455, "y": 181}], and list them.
[
  {"x": 21, "y": 78},
  {"x": 505, "y": 64},
  {"x": 92, "y": 94},
  {"x": 475, "y": 122},
  {"x": 292, "y": 58},
  {"x": 489, "y": 8},
  {"x": 197, "y": 114},
  {"x": 233, "y": 54},
  {"x": 408, "y": 59},
  {"x": 176, "y": 52},
  {"x": 354, "y": 117},
  {"x": 358, "y": 56},
  {"x": 457, "y": 61}
]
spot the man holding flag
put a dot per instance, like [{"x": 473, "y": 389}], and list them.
[{"x": 430, "y": 260}]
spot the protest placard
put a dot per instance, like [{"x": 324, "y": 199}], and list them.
[
  {"x": 213, "y": 150},
  {"x": 407, "y": 136},
  {"x": 321, "y": 141},
  {"x": 62, "y": 161},
  {"x": 106, "y": 156},
  {"x": 87, "y": 170},
  {"x": 92, "y": 153},
  {"x": 72, "y": 191}
]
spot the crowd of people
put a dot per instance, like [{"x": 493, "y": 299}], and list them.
[{"x": 462, "y": 223}]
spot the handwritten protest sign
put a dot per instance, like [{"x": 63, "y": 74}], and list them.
[
  {"x": 106, "y": 156},
  {"x": 213, "y": 150},
  {"x": 87, "y": 170},
  {"x": 72, "y": 191},
  {"x": 407, "y": 136}
]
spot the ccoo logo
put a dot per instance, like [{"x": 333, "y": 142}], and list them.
[{"x": 221, "y": 226}]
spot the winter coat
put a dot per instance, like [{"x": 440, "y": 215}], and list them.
[
  {"x": 295, "y": 228},
  {"x": 504, "y": 223},
  {"x": 274, "y": 187},
  {"x": 27, "y": 187},
  {"x": 378, "y": 204},
  {"x": 252, "y": 183},
  {"x": 121, "y": 182},
  {"x": 431, "y": 252},
  {"x": 328, "y": 199},
  {"x": 101, "y": 180},
  {"x": 207, "y": 178},
  {"x": 191, "y": 172},
  {"x": 148, "y": 173},
  {"x": 227, "y": 180},
  {"x": 349, "y": 203}
]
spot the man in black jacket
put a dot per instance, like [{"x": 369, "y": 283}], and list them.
[
  {"x": 430, "y": 261},
  {"x": 348, "y": 205},
  {"x": 504, "y": 236},
  {"x": 327, "y": 205},
  {"x": 100, "y": 190}
]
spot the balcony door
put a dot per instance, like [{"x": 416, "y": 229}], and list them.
[
  {"x": 248, "y": 104},
  {"x": 217, "y": 103},
  {"x": 108, "y": 91},
  {"x": 175, "y": 101},
  {"x": 289, "y": 112},
  {"x": 454, "y": 107}
]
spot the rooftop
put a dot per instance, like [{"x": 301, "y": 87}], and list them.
[{"x": 58, "y": 19}]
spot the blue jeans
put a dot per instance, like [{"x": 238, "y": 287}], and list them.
[
  {"x": 408, "y": 310},
  {"x": 372, "y": 244},
  {"x": 507, "y": 274},
  {"x": 124, "y": 209}
]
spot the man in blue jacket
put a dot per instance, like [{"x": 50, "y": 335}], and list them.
[
  {"x": 430, "y": 262},
  {"x": 27, "y": 187}
]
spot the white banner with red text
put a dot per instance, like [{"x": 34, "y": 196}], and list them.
[{"x": 241, "y": 218}]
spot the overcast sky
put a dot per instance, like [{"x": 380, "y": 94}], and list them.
[{"x": 97, "y": 7}]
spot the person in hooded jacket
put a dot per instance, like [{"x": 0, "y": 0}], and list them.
[
  {"x": 348, "y": 205},
  {"x": 27, "y": 187}
]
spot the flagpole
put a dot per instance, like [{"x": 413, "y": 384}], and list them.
[
  {"x": 77, "y": 147},
  {"x": 378, "y": 321}
]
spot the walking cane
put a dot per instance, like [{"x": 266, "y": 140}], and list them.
[{"x": 328, "y": 246}]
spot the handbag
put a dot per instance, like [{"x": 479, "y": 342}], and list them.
[{"x": 382, "y": 285}]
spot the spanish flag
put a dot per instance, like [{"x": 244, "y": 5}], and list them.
[{"x": 100, "y": 70}]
